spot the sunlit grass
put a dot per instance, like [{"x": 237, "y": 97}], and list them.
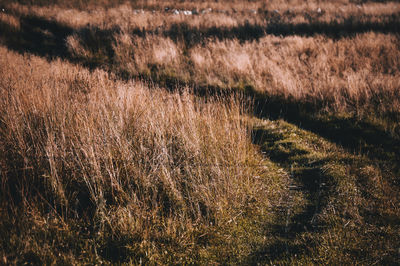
[{"x": 247, "y": 132}]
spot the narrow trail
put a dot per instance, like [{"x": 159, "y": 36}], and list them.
[
  {"x": 306, "y": 191},
  {"x": 339, "y": 205},
  {"x": 325, "y": 214}
]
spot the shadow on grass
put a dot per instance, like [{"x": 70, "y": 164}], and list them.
[
  {"x": 38, "y": 36},
  {"x": 47, "y": 38},
  {"x": 356, "y": 135},
  {"x": 248, "y": 32},
  {"x": 308, "y": 178}
]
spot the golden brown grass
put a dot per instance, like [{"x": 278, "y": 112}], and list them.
[
  {"x": 355, "y": 72},
  {"x": 128, "y": 161},
  {"x": 358, "y": 75},
  {"x": 348, "y": 74},
  {"x": 126, "y": 132},
  {"x": 150, "y": 16}
]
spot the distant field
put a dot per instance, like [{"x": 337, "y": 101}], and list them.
[{"x": 200, "y": 132}]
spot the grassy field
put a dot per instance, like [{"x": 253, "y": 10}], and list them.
[{"x": 200, "y": 132}]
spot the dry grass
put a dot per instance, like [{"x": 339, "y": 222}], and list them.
[
  {"x": 356, "y": 72},
  {"x": 126, "y": 132},
  {"x": 150, "y": 16},
  {"x": 358, "y": 75},
  {"x": 348, "y": 74},
  {"x": 124, "y": 159}
]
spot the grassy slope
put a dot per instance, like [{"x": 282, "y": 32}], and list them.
[
  {"x": 349, "y": 202},
  {"x": 344, "y": 61},
  {"x": 332, "y": 179}
]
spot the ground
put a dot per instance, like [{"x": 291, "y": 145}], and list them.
[{"x": 200, "y": 132}]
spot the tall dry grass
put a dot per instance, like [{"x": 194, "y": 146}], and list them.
[
  {"x": 355, "y": 72},
  {"x": 349, "y": 74},
  {"x": 359, "y": 75},
  {"x": 123, "y": 160},
  {"x": 101, "y": 170},
  {"x": 150, "y": 15},
  {"x": 340, "y": 57}
]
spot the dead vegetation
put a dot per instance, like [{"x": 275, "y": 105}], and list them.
[
  {"x": 346, "y": 61},
  {"x": 152, "y": 132},
  {"x": 120, "y": 157}
]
